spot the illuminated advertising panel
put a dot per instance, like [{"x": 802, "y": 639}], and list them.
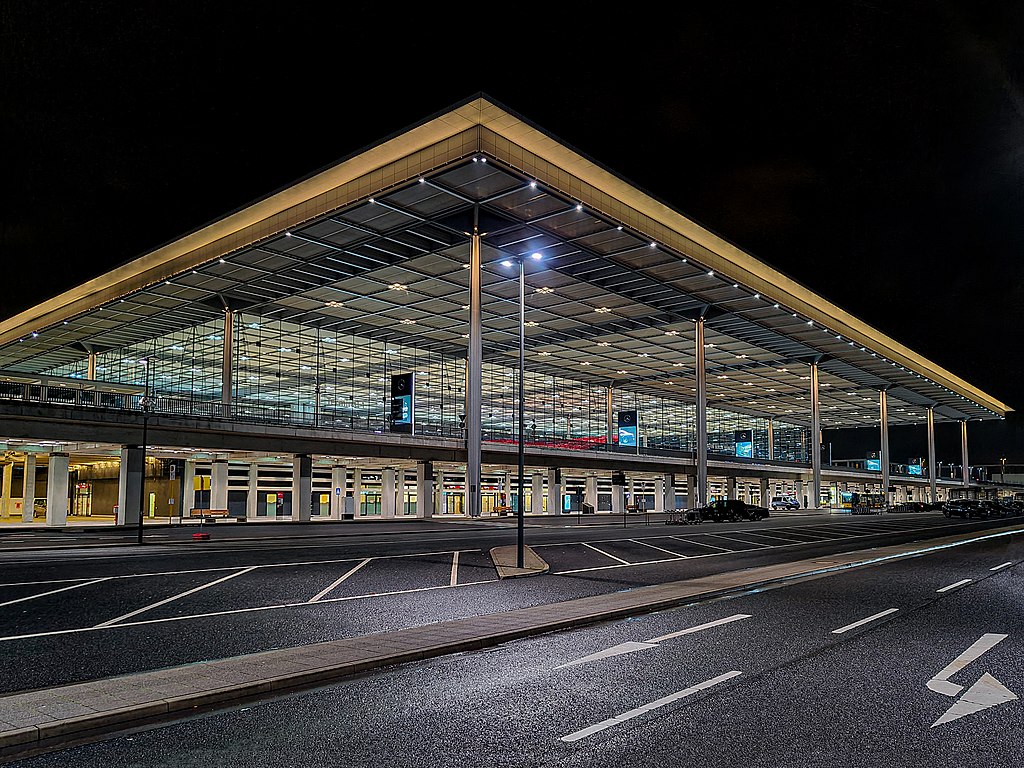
[
  {"x": 744, "y": 439},
  {"x": 402, "y": 403},
  {"x": 627, "y": 428}
]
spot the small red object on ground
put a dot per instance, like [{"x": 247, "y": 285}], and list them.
[{"x": 201, "y": 536}]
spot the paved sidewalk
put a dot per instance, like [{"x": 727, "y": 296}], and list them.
[{"x": 45, "y": 720}]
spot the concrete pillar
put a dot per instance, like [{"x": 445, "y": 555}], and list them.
[
  {"x": 730, "y": 488},
  {"x": 554, "y": 492},
  {"x": 357, "y": 491},
  {"x": 618, "y": 501},
  {"x": 252, "y": 492},
  {"x": 28, "y": 489},
  {"x": 815, "y": 499},
  {"x": 537, "y": 494},
  {"x": 800, "y": 493},
  {"x": 424, "y": 489},
  {"x": 932, "y": 476},
  {"x": 659, "y": 494},
  {"x": 339, "y": 487},
  {"x": 400, "y": 491},
  {"x": 474, "y": 378},
  {"x": 91, "y": 367},
  {"x": 442, "y": 497},
  {"x": 590, "y": 494},
  {"x": 701, "y": 455},
  {"x": 5, "y": 495},
  {"x": 507, "y": 489},
  {"x": 387, "y": 493},
  {"x": 883, "y": 420},
  {"x": 963, "y": 453},
  {"x": 188, "y": 485},
  {"x": 219, "y": 484},
  {"x": 766, "y": 498},
  {"x": 57, "y": 491},
  {"x": 129, "y": 488},
  {"x": 691, "y": 492},
  {"x": 302, "y": 487}
]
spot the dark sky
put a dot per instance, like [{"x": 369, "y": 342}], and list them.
[{"x": 870, "y": 150}]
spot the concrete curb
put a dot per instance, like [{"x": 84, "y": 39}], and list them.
[
  {"x": 34, "y": 722},
  {"x": 506, "y": 562}
]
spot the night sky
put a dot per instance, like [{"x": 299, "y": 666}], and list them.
[{"x": 873, "y": 151}]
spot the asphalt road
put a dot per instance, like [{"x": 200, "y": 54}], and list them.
[
  {"x": 853, "y": 669},
  {"x": 80, "y": 613}
]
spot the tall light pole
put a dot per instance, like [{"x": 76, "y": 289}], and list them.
[{"x": 520, "y": 528}]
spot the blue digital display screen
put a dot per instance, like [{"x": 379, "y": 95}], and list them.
[
  {"x": 745, "y": 449},
  {"x": 875, "y": 464},
  {"x": 627, "y": 435},
  {"x": 913, "y": 469}
]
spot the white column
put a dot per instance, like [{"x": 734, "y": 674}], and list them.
[
  {"x": 227, "y": 367},
  {"x": 387, "y": 493},
  {"x": 963, "y": 454},
  {"x": 883, "y": 420},
  {"x": 800, "y": 493},
  {"x": 219, "y": 484},
  {"x": 932, "y": 493},
  {"x": 730, "y": 488},
  {"x": 618, "y": 502},
  {"x": 474, "y": 377},
  {"x": 659, "y": 494},
  {"x": 5, "y": 496},
  {"x": 424, "y": 489},
  {"x": 400, "y": 491},
  {"x": 442, "y": 496},
  {"x": 537, "y": 493},
  {"x": 554, "y": 492},
  {"x": 771, "y": 440},
  {"x": 57, "y": 490},
  {"x": 339, "y": 486},
  {"x": 28, "y": 489},
  {"x": 357, "y": 491},
  {"x": 765, "y": 498},
  {"x": 506, "y": 487},
  {"x": 252, "y": 492},
  {"x": 815, "y": 446},
  {"x": 691, "y": 492},
  {"x": 129, "y": 488},
  {"x": 188, "y": 488},
  {"x": 590, "y": 494},
  {"x": 701, "y": 454},
  {"x": 302, "y": 487}
]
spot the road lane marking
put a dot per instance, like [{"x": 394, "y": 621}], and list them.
[
  {"x": 940, "y": 683},
  {"x": 1001, "y": 566},
  {"x": 660, "y": 549},
  {"x": 234, "y": 611},
  {"x": 701, "y": 627},
  {"x": 987, "y": 692},
  {"x": 739, "y": 541},
  {"x": 171, "y": 599},
  {"x": 862, "y": 622},
  {"x": 702, "y": 544},
  {"x": 633, "y": 646},
  {"x": 338, "y": 581},
  {"x": 54, "y": 591},
  {"x": 625, "y": 716},
  {"x": 455, "y": 569},
  {"x": 607, "y": 554},
  {"x": 954, "y": 585}
]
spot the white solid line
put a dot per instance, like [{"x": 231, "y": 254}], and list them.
[
  {"x": 455, "y": 568},
  {"x": 660, "y": 549},
  {"x": 699, "y": 627},
  {"x": 54, "y": 591},
  {"x": 606, "y": 554},
  {"x": 702, "y": 544},
  {"x": 171, "y": 599},
  {"x": 738, "y": 541},
  {"x": 233, "y": 611},
  {"x": 619, "y": 719},
  {"x": 1003, "y": 565},
  {"x": 862, "y": 622},
  {"x": 954, "y": 585},
  {"x": 338, "y": 581}
]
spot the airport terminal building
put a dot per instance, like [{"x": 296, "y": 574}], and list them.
[{"x": 407, "y": 331}]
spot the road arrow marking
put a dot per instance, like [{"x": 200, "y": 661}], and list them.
[
  {"x": 987, "y": 692},
  {"x": 632, "y": 647},
  {"x": 940, "y": 683}
]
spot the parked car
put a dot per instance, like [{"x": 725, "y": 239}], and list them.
[
  {"x": 733, "y": 509},
  {"x": 967, "y": 508},
  {"x": 784, "y": 502}
]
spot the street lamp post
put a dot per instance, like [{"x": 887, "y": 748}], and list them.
[{"x": 520, "y": 527}]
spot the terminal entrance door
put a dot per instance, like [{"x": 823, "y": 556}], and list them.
[
  {"x": 370, "y": 503},
  {"x": 454, "y": 503},
  {"x": 81, "y": 502}
]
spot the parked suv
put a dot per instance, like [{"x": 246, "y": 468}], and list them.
[{"x": 784, "y": 502}]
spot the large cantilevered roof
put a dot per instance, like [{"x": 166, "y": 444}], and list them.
[{"x": 377, "y": 246}]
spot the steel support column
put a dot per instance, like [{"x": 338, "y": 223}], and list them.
[
  {"x": 474, "y": 380},
  {"x": 932, "y": 476},
  {"x": 227, "y": 363},
  {"x": 702, "y": 418},
  {"x": 883, "y": 421},
  {"x": 815, "y": 446},
  {"x": 963, "y": 454}
]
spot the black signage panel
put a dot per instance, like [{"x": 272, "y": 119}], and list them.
[{"x": 403, "y": 405}]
